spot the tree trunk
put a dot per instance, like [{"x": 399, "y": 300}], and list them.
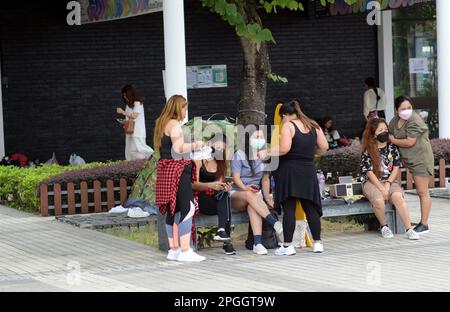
[{"x": 256, "y": 68}]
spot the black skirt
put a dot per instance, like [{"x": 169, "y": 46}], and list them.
[{"x": 297, "y": 179}]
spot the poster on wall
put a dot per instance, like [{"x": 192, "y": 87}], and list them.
[
  {"x": 207, "y": 76},
  {"x": 418, "y": 65},
  {"x": 204, "y": 76},
  {"x": 95, "y": 11}
]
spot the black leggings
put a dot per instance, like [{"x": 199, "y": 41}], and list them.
[
  {"x": 289, "y": 221},
  {"x": 210, "y": 206},
  {"x": 185, "y": 201}
]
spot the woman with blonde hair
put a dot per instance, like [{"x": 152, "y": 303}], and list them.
[{"x": 173, "y": 190}]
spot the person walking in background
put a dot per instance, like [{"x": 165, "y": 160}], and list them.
[
  {"x": 374, "y": 100},
  {"x": 136, "y": 147},
  {"x": 296, "y": 179},
  {"x": 173, "y": 190},
  {"x": 380, "y": 166},
  {"x": 410, "y": 133}
]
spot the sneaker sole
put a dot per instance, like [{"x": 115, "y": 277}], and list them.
[
  {"x": 261, "y": 253},
  {"x": 221, "y": 239},
  {"x": 424, "y": 232},
  {"x": 229, "y": 253},
  {"x": 191, "y": 260},
  {"x": 292, "y": 254}
]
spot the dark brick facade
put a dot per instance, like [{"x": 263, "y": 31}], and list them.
[{"x": 64, "y": 82}]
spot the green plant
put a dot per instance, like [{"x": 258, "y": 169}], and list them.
[
  {"x": 205, "y": 236},
  {"x": 19, "y": 187}
]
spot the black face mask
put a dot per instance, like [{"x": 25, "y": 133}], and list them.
[{"x": 383, "y": 137}]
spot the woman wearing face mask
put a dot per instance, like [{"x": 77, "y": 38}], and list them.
[
  {"x": 380, "y": 166},
  {"x": 248, "y": 172},
  {"x": 214, "y": 198},
  {"x": 411, "y": 135},
  {"x": 296, "y": 178}
]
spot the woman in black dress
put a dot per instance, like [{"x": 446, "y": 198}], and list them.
[{"x": 296, "y": 179}]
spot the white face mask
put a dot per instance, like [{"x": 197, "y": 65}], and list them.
[{"x": 406, "y": 114}]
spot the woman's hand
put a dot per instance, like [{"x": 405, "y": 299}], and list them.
[
  {"x": 391, "y": 138},
  {"x": 198, "y": 145},
  {"x": 228, "y": 187},
  {"x": 263, "y": 154},
  {"x": 120, "y": 111},
  {"x": 134, "y": 115},
  {"x": 217, "y": 186},
  {"x": 252, "y": 188}
]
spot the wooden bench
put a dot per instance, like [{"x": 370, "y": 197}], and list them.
[{"x": 331, "y": 208}]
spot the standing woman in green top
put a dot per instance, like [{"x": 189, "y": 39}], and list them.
[{"x": 410, "y": 133}]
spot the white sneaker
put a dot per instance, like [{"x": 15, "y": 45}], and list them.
[
  {"x": 318, "y": 248},
  {"x": 173, "y": 254},
  {"x": 190, "y": 256},
  {"x": 386, "y": 232},
  {"x": 137, "y": 213},
  {"x": 412, "y": 235},
  {"x": 260, "y": 250},
  {"x": 285, "y": 251},
  {"x": 118, "y": 210}
]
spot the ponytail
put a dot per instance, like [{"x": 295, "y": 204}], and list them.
[{"x": 293, "y": 107}]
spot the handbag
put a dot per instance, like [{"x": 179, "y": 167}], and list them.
[{"x": 128, "y": 126}]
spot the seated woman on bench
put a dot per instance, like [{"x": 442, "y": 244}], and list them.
[
  {"x": 248, "y": 171},
  {"x": 214, "y": 198},
  {"x": 380, "y": 166}
]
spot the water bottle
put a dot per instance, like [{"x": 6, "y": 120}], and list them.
[{"x": 322, "y": 184}]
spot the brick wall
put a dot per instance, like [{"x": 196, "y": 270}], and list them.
[{"x": 64, "y": 82}]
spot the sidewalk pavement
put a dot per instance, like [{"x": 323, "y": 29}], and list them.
[{"x": 40, "y": 254}]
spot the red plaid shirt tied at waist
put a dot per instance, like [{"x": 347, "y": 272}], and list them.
[{"x": 167, "y": 182}]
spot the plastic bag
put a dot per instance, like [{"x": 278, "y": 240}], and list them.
[
  {"x": 76, "y": 160},
  {"x": 52, "y": 161}
]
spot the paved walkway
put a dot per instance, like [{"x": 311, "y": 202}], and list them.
[{"x": 40, "y": 254}]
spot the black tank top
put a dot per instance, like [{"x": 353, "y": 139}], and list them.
[
  {"x": 206, "y": 176},
  {"x": 303, "y": 146},
  {"x": 166, "y": 147}
]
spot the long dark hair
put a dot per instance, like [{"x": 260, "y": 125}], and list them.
[
  {"x": 370, "y": 82},
  {"x": 132, "y": 95},
  {"x": 248, "y": 148},
  {"x": 371, "y": 144},
  {"x": 324, "y": 122},
  {"x": 401, "y": 99},
  {"x": 222, "y": 164},
  {"x": 293, "y": 107}
]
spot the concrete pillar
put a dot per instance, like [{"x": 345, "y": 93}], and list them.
[
  {"x": 175, "y": 48},
  {"x": 2, "y": 134},
  {"x": 386, "y": 62},
  {"x": 443, "y": 43}
]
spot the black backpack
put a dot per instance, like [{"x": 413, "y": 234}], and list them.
[{"x": 269, "y": 236}]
